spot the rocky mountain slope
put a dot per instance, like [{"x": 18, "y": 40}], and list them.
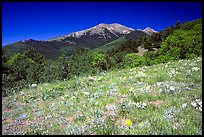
[{"x": 114, "y": 29}]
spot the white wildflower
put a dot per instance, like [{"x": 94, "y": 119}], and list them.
[
  {"x": 21, "y": 93},
  {"x": 91, "y": 99},
  {"x": 141, "y": 74},
  {"x": 148, "y": 87},
  {"x": 184, "y": 105},
  {"x": 172, "y": 88},
  {"x": 144, "y": 104},
  {"x": 194, "y": 104},
  {"x": 91, "y": 78},
  {"x": 160, "y": 90},
  {"x": 146, "y": 123},
  {"x": 96, "y": 103},
  {"x": 200, "y": 109},
  {"x": 199, "y": 103},
  {"x": 33, "y": 85},
  {"x": 197, "y": 100},
  {"x": 195, "y": 69},
  {"x": 73, "y": 97},
  {"x": 66, "y": 95},
  {"x": 131, "y": 89},
  {"x": 86, "y": 93}
]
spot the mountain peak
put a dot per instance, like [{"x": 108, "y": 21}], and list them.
[
  {"x": 102, "y": 24},
  {"x": 100, "y": 29},
  {"x": 109, "y": 23},
  {"x": 149, "y": 30},
  {"x": 116, "y": 24},
  {"x": 114, "y": 28}
]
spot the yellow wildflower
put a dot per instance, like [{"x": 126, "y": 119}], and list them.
[{"x": 128, "y": 122}]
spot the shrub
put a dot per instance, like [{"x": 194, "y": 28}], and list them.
[
  {"x": 99, "y": 60},
  {"x": 183, "y": 44},
  {"x": 133, "y": 60}
]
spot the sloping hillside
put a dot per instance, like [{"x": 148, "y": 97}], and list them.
[
  {"x": 134, "y": 35},
  {"x": 160, "y": 99},
  {"x": 48, "y": 49},
  {"x": 114, "y": 44}
]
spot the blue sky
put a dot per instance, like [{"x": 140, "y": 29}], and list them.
[{"x": 46, "y": 20}]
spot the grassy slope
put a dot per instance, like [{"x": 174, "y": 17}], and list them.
[
  {"x": 100, "y": 104},
  {"x": 111, "y": 45},
  {"x": 49, "y": 49}
]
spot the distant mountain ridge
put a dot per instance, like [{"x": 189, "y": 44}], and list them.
[{"x": 91, "y": 38}]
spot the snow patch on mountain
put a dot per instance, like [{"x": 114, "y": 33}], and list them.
[
  {"x": 149, "y": 31},
  {"x": 114, "y": 28},
  {"x": 101, "y": 30}
]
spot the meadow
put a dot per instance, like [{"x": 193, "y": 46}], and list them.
[{"x": 162, "y": 99}]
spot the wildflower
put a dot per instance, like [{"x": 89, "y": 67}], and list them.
[
  {"x": 131, "y": 89},
  {"x": 21, "y": 93},
  {"x": 195, "y": 69},
  {"x": 197, "y": 104},
  {"x": 144, "y": 104},
  {"x": 146, "y": 123},
  {"x": 91, "y": 99},
  {"x": 24, "y": 116},
  {"x": 111, "y": 107},
  {"x": 198, "y": 100},
  {"x": 172, "y": 88},
  {"x": 200, "y": 109},
  {"x": 193, "y": 104},
  {"x": 128, "y": 122},
  {"x": 91, "y": 78},
  {"x": 184, "y": 105},
  {"x": 160, "y": 90},
  {"x": 86, "y": 93},
  {"x": 66, "y": 95},
  {"x": 96, "y": 103},
  {"x": 34, "y": 85}
]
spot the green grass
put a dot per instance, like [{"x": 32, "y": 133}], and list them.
[
  {"x": 152, "y": 97},
  {"x": 111, "y": 45}
]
